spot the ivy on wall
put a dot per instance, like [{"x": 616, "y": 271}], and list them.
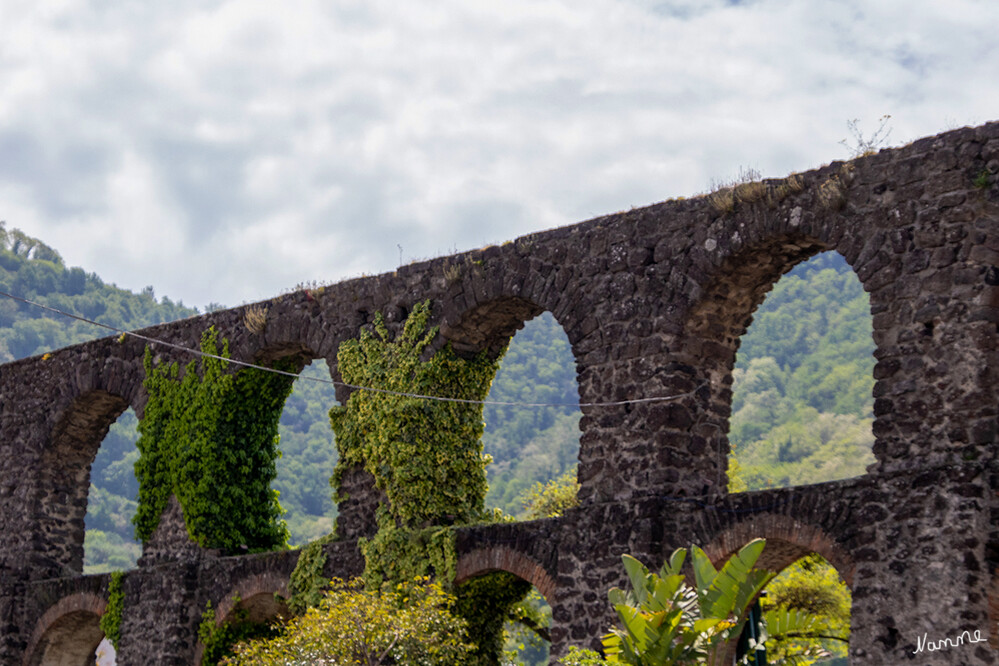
[
  {"x": 111, "y": 619},
  {"x": 307, "y": 581},
  {"x": 426, "y": 456},
  {"x": 209, "y": 436},
  {"x": 220, "y": 639}
]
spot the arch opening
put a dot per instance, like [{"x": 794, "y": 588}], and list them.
[
  {"x": 532, "y": 447},
  {"x": 243, "y": 619},
  {"x": 110, "y": 543},
  {"x": 802, "y": 382},
  {"x": 65, "y": 477},
  {"x": 69, "y": 634},
  {"x": 813, "y": 574},
  {"x": 811, "y": 585},
  {"x": 509, "y": 617},
  {"x": 72, "y": 640},
  {"x": 308, "y": 456}
]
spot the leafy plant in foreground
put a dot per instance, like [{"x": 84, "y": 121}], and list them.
[
  {"x": 405, "y": 625},
  {"x": 665, "y": 621}
]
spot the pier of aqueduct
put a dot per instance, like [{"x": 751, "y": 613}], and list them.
[{"x": 653, "y": 301}]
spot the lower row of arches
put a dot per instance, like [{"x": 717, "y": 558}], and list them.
[{"x": 816, "y": 577}]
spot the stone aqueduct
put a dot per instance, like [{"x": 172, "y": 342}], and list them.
[{"x": 653, "y": 301}]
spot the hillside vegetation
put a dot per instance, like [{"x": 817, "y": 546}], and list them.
[{"x": 801, "y": 410}]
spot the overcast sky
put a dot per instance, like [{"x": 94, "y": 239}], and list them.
[{"x": 227, "y": 151}]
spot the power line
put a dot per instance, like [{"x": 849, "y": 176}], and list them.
[{"x": 320, "y": 380}]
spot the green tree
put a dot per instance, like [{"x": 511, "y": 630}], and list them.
[
  {"x": 813, "y": 586},
  {"x": 402, "y": 625},
  {"x": 553, "y": 498}
]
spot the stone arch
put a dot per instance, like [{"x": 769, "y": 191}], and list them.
[
  {"x": 64, "y": 474},
  {"x": 490, "y": 325},
  {"x": 503, "y": 558},
  {"x": 788, "y": 539},
  {"x": 737, "y": 284},
  {"x": 68, "y": 633},
  {"x": 258, "y": 596}
]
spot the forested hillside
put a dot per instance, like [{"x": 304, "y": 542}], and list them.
[
  {"x": 802, "y": 403},
  {"x": 801, "y": 408},
  {"x": 31, "y": 269}
]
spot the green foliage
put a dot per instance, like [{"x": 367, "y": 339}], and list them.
[
  {"x": 397, "y": 554},
  {"x": 582, "y": 657},
  {"x": 307, "y": 581},
  {"x": 431, "y": 475},
  {"x": 666, "y": 621},
  {"x": 111, "y": 619},
  {"x": 31, "y": 269},
  {"x": 220, "y": 640},
  {"x": 485, "y": 603},
  {"x": 108, "y": 551},
  {"x": 308, "y": 454},
  {"x": 406, "y": 625},
  {"x": 802, "y": 404},
  {"x": 553, "y": 498},
  {"x": 528, "y": 631},
  {"x": 530, "y": 445},
  {"x": 210, "y": 438},
  {"x": 813, "y": 586},
  {"x": 434, "y": 477}
]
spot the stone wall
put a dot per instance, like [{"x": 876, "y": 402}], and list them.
[{"x": 653, "y": 301}]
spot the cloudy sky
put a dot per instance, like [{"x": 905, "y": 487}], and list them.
[{"x": 227, "y": 151}]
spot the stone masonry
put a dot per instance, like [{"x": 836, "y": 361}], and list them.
[{"x": 653, "y": 301}]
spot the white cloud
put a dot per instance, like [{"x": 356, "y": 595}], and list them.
[{"x": 268, "y": 144}]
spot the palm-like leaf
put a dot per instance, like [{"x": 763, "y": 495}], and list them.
[{"x": 665, "y": 621}]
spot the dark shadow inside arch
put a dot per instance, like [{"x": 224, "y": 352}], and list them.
[
  {"x": 72, "y": 640},
  {"x": 802, "y": 405},
  {"x": 255, "y": 617},
  {"x": 506, "y": 615}
]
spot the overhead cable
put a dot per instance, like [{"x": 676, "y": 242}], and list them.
[{"x": 320, "y": 380}]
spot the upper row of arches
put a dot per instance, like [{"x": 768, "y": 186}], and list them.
[{"x": 756, "y": 425}]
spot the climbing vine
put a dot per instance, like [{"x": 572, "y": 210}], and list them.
[
  {"x": 220, "y": 639},
  {"x": 209, "y": 436},
  {"x": 111, "y": 619},
  {"x": 426, "y": 456},
  {"x": 307, "y": 580}
]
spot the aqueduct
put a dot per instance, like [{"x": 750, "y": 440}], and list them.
[{"x": 653, "y": 301}]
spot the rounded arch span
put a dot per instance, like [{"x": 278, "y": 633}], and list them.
[
  {"x": 788, "y": 540},
  {"x": 735, "y": 286},
  {"x": 63, "y": 482},
  {"x": 261, "y": 597},
  {"x": 503, "y": 558},
  {"x": 256, "y": 594},
  {"x": 488, "y": 326},
  {"x": 68, "y": 633}
]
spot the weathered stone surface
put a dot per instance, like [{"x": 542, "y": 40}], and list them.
[{"x": 654, "y": 302}]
